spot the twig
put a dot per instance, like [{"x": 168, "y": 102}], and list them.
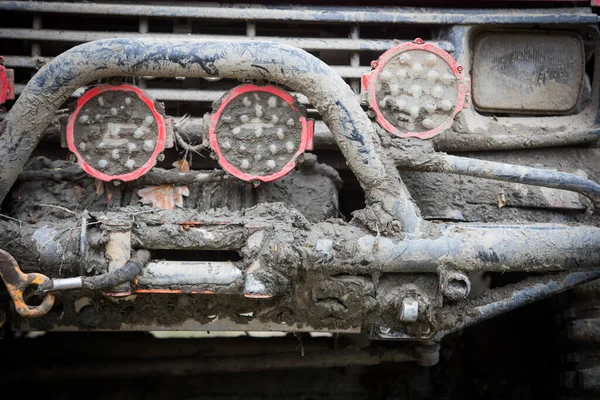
[
  {"x": 179, "y": 123},
  {"x": 300, "y": 345},
  {"x": 376, "y": 246},
  {"x": 187, "y": 146},
  {"x": 58, "y": 207},
  {"x": 12, "y": 219}
]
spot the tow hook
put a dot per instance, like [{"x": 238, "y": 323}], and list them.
[{"x": 16, "y": 282}]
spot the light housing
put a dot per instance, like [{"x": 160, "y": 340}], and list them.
[
  {"x": 116, "y": 132},
  {"x": 415, "y": 89},
  {"x": 258, "y": 132}
]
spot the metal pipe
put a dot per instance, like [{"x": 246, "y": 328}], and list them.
[
  {"x": 344, "y": 71},
  {"x": 535, "y": 248},
  {"x": 425, "y": 159},
  {"x": 525, "y": 175},
  {"x": 167, "y": 273},
  {"x": 460, "y": 247},
  {"x": 157, "y": 176},
  {"x": 172, "y": 236},
  {"x": 525, "y": 292},
  {"x": 282, "y": 13},
  {"x": 57, "y": 285},
  {"x": 46, "y": 248},
  {"x": 332, "y": 97},
  {"x": 460, "y": 141}
]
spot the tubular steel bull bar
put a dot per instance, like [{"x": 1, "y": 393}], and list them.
[{"x": 420, "y": 248}]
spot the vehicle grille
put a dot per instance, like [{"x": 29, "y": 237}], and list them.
[{"x": 34, "y": 32}]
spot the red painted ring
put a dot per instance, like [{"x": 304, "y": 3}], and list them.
[
  {"x": 369, "y": 82},
  {"x": 160, "y": 143},
  {"x": 306, "y": 134}
]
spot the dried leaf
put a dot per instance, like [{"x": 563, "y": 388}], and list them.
[
  {"x": 501, "y": 200},
  {"x": 182, "y": 165},
  {"x": 164, "y": 196},
  {"x": 99, "y": 187}
]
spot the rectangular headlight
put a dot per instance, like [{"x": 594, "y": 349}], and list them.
[{"x": 527, "y": 72}]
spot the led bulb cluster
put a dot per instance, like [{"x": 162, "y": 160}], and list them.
[
  {"x": 415, "y": 89},
  {"x": 116, "y": 132},
  {"x": 258, "y": 132}
]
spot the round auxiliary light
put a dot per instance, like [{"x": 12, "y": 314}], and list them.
[
  {"x": 116, "y": 132},
  {"x": 415, "y": 89},
  {"x": 258, "y": 132}
]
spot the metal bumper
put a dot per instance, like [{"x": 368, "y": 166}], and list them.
[{"x": 295, "y": 257}]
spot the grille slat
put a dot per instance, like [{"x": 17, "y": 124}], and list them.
[
  {"x": 282, "y": 13},
  {"x": 315, "y": 44},
  {"x": 42, "y": 30}
]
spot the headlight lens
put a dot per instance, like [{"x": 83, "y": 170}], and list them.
[{"x": 527, "y": 72}]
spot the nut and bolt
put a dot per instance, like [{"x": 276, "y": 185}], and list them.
[
  {"x": 455, "y": 286},
  {"x": 409, "y": 310},
  {"x": 384, "y": 329}
]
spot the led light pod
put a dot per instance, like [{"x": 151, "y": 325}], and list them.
[
  {"x": 258, "y": 132},
  {"x": 116, "y": 132},
  {"x": 415, "y": 89}
]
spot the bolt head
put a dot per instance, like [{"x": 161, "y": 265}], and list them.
[
  {"x": 384, "y": 329},
  {"x": 409, "y": 310}
]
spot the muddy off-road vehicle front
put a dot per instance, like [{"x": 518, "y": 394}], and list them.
[{"x": 383, "y": 176}]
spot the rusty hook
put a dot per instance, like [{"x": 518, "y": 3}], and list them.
[{"x": 16, "y": 282}]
